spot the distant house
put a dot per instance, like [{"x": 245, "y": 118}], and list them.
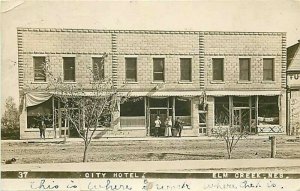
[
  {"x": 205, "y": 78},
  {"x": 293, "y": 82}
]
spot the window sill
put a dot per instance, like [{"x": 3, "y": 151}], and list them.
[
  {"x": 217, "y": 82},
  {"x": 158, "y": 82},
  {"x": 128, "y": 82},
  {"x": 37, "y": 130},
  {"x": 95, "y": 82},
  {"x": 185, "y": 82},
  {"x": 127, "y": 128},
  {"x": 66, "y": 82},
  {"x": 39, "y": 82},
  {"x": 187, "y": 127},
  {"x": 244, "y": 82},
  {"x": 268, "y": 82}
]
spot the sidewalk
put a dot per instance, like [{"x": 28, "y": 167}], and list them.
[
  {"x": 133, "y": 139},
  {"x": 160, "y": 166}
]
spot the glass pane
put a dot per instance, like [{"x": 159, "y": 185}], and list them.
[
  {"x": 185, "y": 68},
  {"x": 218, "y": 69},
  {"x": 182, "y": 107},
  {"x": 133, "y": 107},
  {"x": 156, "y": 102},
  {"x": 245, "y": 69},
  {"x": 240, "y": 101},
  {"x": 98, "y": 68},
  {"x": 268, "y": 110},
  {"x": 39, "y": 69},
  {"x": 130, "y": 63},
  {"x": 158, "y": 65},
  {"x": 268, "y": 69},
  {"x": 222, "y": 110},
  {"x": 158, "y": 77},
  {"x": 131, "y": 75},
  {"x": 69, "y": 69}
]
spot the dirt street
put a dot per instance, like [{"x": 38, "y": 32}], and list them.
[{"x": 134, "y": 150}]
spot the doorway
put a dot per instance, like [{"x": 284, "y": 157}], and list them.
[
  {"x": 163, "y": 114},
  {"x": 241, "y": 119},
  {"x": 64, "y": 124},
  {"x": 66, "y": 128}
]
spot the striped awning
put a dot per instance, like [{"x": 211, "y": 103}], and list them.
[{"x": 243, "y": 93}]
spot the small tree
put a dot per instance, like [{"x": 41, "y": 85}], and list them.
[
  {"x": 86, "y": 109},
  {"x": 231, "y": 134},
  {"x": 10, "y": 120}
]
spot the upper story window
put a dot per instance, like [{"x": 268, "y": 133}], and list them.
[
  {"x": 69, "y": 69},
  {"x": 39, "y": 69},
  {"x": 268, "y": 71},
  {"x": 98, "y": 68},
  {"x": 158, "y": 69},
  {"x": 131, "y": 69},
  {"x": 244, "y": 69},
  {"x": 218, "y": 69},
  {"x": 185, "y": 69}
]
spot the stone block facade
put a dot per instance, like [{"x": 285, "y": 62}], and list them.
[{"x": 145, "y": 45}]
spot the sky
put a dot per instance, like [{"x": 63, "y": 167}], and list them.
[{"x": 222, "y": 15}]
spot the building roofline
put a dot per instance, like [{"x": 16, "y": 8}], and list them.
[{"x": 147, "y": 31}]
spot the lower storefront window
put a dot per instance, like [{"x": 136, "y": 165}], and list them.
[
  {"x": 132, "y": 113},
  {"x": 222, "y": 111},
  {"x": 268, "y": 110},
  {"x": 183, "y": 110},
  {"x": 38, "y": 113}
]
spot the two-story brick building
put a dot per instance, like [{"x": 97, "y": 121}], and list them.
[{"x": 205, "y": 78}]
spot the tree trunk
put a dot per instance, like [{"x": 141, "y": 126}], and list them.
[{"x": 85, "y": 153}]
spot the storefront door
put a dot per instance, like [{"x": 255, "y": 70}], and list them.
[
  {"x": 241, "y": 119},
  {"x": 64, "y": 124},
  {"x": 162, "y": 113}
]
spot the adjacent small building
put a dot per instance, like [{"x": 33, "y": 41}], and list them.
[
  {"x": 293, "y": 82},
  {"x": 206, "y": 78}
]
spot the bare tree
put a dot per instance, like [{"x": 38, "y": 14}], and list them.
[
  {"x": 86, "y": 109},
  {"x": 231, "y": 134}
]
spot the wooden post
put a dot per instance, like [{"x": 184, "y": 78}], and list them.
[
  {"x": 273, "y": 146},
  {"x": 53, "y": 117},
  {"x": 173, "y": 110}
]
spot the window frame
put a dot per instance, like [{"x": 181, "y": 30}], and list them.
[
  {"x": 163, "y": 72},
  {"x": 38, "y": 69},
  {"x": 127, "y": 69},
  {"x": 190, "y": 70},
  {"x": 69, "y": 57},
  {"x": 273, "y": 69},
  {"x": 249, "y": 70},
  {"x": 102, "y": 61},
  {"x": 222, "y": 70}
]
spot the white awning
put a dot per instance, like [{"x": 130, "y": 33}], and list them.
[{"x": 243, "y": 93}]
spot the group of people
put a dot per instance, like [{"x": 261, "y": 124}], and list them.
[{"x": 170, "y": 130}]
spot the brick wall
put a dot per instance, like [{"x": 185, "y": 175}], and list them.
[
  {"x": 232, "y": 46},
  {"x": 157, "y": 43},
  {"x": 145, "y": 45}
]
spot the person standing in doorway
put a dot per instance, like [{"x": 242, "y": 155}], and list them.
[
  {"x": 179, "y": 125},
  {"x": 42, "y": 130},
  {"x": 157, "y": 126},
  {"x": 168, "y": 131}
]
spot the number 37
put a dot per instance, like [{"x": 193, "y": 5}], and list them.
[{"x": 22, "y": 174}]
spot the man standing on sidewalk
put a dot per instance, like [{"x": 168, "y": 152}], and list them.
[
  {"x": 42, "y": 130},
  {"x": 157, "y": 126},
  {"x": 179, "y": 125}
]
